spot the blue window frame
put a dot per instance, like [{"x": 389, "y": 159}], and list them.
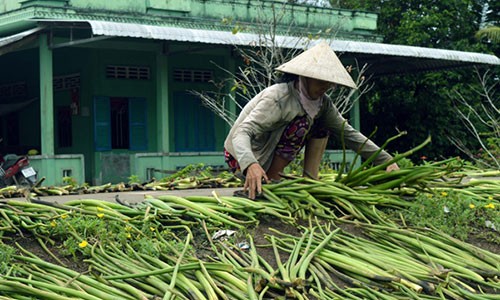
[
  {"x": 120, "y": 123},
  {"x": 194, "y": 124}
]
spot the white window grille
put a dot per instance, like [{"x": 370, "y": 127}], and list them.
[
  {"x": 128, "y": 72},
  {"x": 13, "y": 90},
  {"x": 66, "y": 82},
  {"x": 189, "y": 75}
]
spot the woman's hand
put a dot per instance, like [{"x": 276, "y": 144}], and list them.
[
  {"x": 392, "y": 167},
  {"x": 253, "y": 181}
]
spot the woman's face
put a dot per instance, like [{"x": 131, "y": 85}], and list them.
[{"x": 317, "y": 88}]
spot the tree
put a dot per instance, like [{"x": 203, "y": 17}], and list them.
[
  {"x": 481, "y": 119},
  {"x": 429, "y": 103},
  {"x": 256, "y": 69},
  {"x": 418, "y": 103}
]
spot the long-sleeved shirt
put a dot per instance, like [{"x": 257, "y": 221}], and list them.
[{"x": 258, "y": 129}]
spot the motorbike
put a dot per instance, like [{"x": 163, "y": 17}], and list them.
[{"x": 16, "y": 170}]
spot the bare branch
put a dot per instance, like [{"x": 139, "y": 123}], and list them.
[
  {"x": 259, "y": 61},
  {"x": 480, "y": 112}
]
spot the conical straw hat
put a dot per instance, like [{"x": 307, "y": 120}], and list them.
[{"x": 319, "y": 62}]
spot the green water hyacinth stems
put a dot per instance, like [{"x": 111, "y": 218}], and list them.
[
  {"x": 360, "y": 175},
  {"x": 168, "y": 294},
  {"x": 370, "y": 159},
  {"x": 379, "y": 260},
  {"x": 90, "y": 287},
  {"x": 214, "y": 215}
]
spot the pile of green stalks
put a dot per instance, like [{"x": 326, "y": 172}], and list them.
[
  {"x": 329, "y": 238},
  {"x": 165, "y": 248},
  {"x": 191, "y": 177},
  {"x": 305, "y": 196}
]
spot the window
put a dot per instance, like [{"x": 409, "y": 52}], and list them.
[
  {"x": 13, "y": 90},
  {"x": 120, "y": 123},
  {"x": 127, "y": 72},
  {"x": 194, "y": 76},
  {"x": 66, "y": 82}
]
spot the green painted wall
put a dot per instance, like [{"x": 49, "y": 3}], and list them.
[
  {"x": 76, "y": 61},
  {"x": 149, "y": 165},
  {"x": 70, "y": 165},
  {"x": 132, "y": 6},
  {"x": 8, "y": 5},
  {"x": 174, "y": 5},
  {"x": 196, "y": 13},
  {"x": 248, "y": 11}
]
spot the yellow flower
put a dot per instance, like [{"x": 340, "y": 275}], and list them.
[
  {"x": 100, "y": 209},
  {"x": 152, "y": 228},
  {"x": 490, "y": 197},
  {"x": 53, "y": 223},
  {"x": 444, "y": 194},
  {"x": 64, "y": 216},
  {"x": 83, "y": 244},
  {"x": 129, "y": 236},
  {"x": 471, "y": 206},
  {"x": 491, "y": 205},
  {"x": 100, "y": 215}
]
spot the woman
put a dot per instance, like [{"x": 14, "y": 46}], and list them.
[{"x": 274, "y": 126}]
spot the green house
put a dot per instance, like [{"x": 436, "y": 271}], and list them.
[{"x": 101, "y": 89}]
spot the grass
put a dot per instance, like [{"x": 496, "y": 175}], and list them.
[{"x": 454, "y": 214}]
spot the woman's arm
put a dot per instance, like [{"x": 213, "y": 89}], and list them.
[{"x": 353, "y": 139}]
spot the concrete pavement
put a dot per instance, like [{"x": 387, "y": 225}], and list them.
[{"x": 138, "y": 196}]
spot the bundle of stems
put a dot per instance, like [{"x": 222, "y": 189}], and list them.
[
  {"x": 358, "y": 265},
  {"x": 357, "y": 176},
  {"x": 45, "y": 278},
  {"x": 331, "y": 200},
  {"x": 449, "y": 257}
]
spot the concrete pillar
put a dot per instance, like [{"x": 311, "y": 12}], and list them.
[
  {"x": 355, "y": 115},
  {"x": 162, "y": 110},
  {"x": 46, "y": 97}
]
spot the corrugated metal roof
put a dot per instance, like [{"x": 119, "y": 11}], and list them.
[
  {"x": 387, "y": 59},
  {"x": 171, "y": 33},
  {"x": 412, "y": 51},
  {"x": 15, "y": 41},
  {"x": 18, "y": 36},
  {"x": 383, "y": 58}
]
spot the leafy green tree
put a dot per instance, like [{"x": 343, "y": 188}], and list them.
[{"x": 419, "y": 102}]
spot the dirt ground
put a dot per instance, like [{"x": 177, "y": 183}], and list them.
[{"x": 137, "y": 196}]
